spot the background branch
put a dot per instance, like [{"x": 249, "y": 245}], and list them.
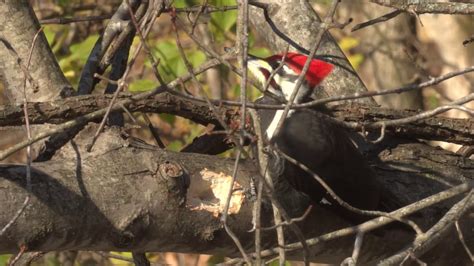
[{"x": 422, "y": 7}]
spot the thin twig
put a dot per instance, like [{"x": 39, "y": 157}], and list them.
[
  {"x": 20, "y": 253},
  {"x": 452, "y": 105},
  {"x": 340, "y": 201},
  {"x": 242, "y": 39},
  {"x": 226, "y": 209},
  {"x": 28, "y": 135},
  {"x": 382, "y": 134},
  {"x": 96, "y": 114},
  {"x": 63, "y": 20},
  {"x": 431, "y": 7},
  {"x": 198, "y": 14},
  {"x": 154, "y": 131},
  {"x": 436, "y": 233},
  {"x": 352, "y": 260},
  {"x": 430, "y": 82},
  {"x": 291, "y": 221},
  {"x": 325, "y": 24},
  {"x": 68, "y": 20},
  {"x": 121, "y": 84},
  {"x": 113, "y": 256},
  {"x": 257, "y": 221},
  {"x": 267, "y": 181},
  {"x": 154, "y": 63},
  {"x": 226, "y": 128},
  {"x": 463, "y": 242},
  {"x": 383, "y": 18},
  {"x": 374, "y": 223},
  {"x": 212, "y": 107}
]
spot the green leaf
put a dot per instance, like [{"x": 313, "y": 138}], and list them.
[
  {"x": 215, "y": 259},
  {"x": 79, "y": 53},
  {"x": 50, "y": 34},
  {"x": 235, "y": 91},
  {"x": 196, "y": 57},
  {"x": 175, "y": 145},
  {"x": 4, "y": 259},
  {"x": 276, "y": 263},
  {"x": 171, "y": 63},
  {"x": 432, "y": 101},
  {"x": 356, "y": 60},
  {"x": 168, "y": 118},
  {"x": 120, "y": 262},
  {"x": 63, "y": 3},
  {"x": 260, "y": 51},
  {"x": 185, "y": 3},
  {"x": 223, "y": 22},
  {"x": 141, "y": 85},
  {"x": 348, "y": 43}
]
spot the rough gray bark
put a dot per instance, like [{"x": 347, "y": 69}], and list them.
[
  {"x": 123, "y": 198},
  {"x": 297, "y": 22},
  {"x": 391, "y": 41},
  {"x": 45, "y": 79},
  {"x": 431, "y": 7},
  {"x": 460, "y": 131},
  {"x": 17, "y": 29}
]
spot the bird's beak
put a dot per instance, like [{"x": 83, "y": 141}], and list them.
[
  {"x": 255, "y": 62},
  {"x": 252, "y": 57},
  {"x": 255, "y": 59}
]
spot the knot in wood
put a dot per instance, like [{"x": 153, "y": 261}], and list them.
[
  {"x": 170, "y": 170},
  {"x": 176, "y": 179}
]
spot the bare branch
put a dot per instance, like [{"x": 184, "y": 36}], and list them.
[
  {"x": 422, "y": 7},
  {"x": 436, "y": 233},
  {"x": 380, "y": 19},
  {"x": 376, "y": 222},
  {"x": 461, "y": 238}
]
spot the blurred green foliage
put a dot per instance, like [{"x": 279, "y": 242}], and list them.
[
  {"x": 4, "y": 259},
  {"x": 348, "y": 43},
  {"x": 73, "y": 63},
  {"x": 277, "y": 263},
  {"x": 171, "y": 63}
]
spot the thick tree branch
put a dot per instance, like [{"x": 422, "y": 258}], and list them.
[
  {"x": 459, "y": 131},
  {"x": 18, "y": 26},
  {"x": 422, "y": 7},
  {"x": 164, "y": 201}
]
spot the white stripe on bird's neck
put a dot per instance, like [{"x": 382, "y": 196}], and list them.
[
  {"x": 286, "y": 79},
  {"x": 287, "y": 84},
  {"x": 273, "y": 125}
]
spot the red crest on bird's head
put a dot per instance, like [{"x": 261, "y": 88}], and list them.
[{"x": 316, "y": 73}]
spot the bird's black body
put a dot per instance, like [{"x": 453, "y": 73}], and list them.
[{"x": 315, "y": 141}]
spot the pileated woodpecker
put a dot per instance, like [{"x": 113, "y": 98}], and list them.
[{"x": 312, "y": 139}]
